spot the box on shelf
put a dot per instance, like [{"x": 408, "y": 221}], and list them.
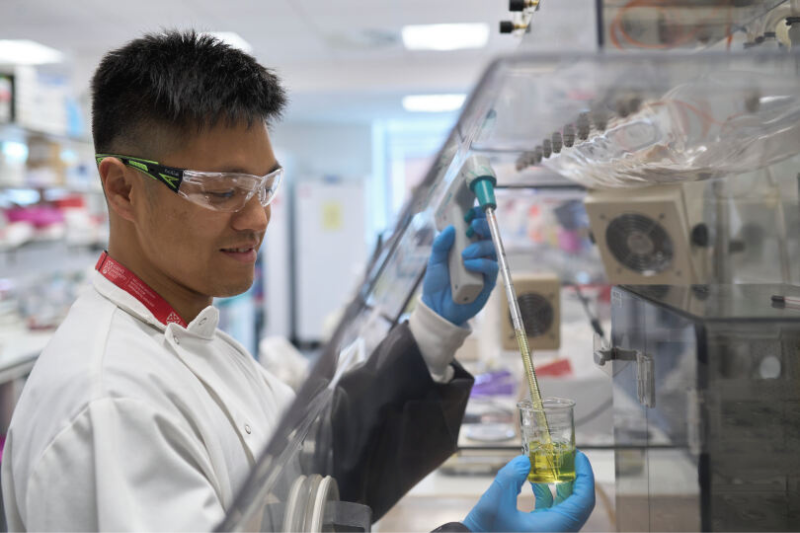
[
  {"x": 45, "y": 165},
  {"x": 41, "y": 101}
]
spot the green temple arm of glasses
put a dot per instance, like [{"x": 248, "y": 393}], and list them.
[{"x": 169, "y": 176}]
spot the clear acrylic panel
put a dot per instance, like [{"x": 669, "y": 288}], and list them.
[
  {"x": 721, "y": 438},
  {"x": 623, "y": 120}
]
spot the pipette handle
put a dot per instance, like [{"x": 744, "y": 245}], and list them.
[{"x": 457, "y": 202}]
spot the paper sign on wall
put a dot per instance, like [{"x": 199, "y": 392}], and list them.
[{"x": 331, "y": 216}]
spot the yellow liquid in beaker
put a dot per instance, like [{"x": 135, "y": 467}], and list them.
[{"x": 551, "y": 463}]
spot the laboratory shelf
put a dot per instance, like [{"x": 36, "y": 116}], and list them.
[
  {"x": 54, "y": 187},
  {"x": 15, "y": 132}
]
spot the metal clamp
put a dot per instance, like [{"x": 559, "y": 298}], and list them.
[
  {"x": 608, "y": 354},
  {"x": 645, "y": 372}
]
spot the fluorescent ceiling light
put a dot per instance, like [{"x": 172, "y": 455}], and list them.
[
  {"x": 445, "y": 36},
  {"x": 434, "y": 103},
  {"x": 25, "y": 52},
  {"x": 233, "y": 39}
]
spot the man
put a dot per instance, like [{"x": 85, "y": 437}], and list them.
[{"x": 140, "y": 414}]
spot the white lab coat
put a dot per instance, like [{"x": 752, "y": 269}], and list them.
[{"x": 127, "y": 424}]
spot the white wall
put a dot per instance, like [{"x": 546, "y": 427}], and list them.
[
  {"x": 367, "y": 152},
  {"x": 310, "y": 152},
  {"x": 323, "y": 149}
]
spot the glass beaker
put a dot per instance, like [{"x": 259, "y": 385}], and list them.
[{"x": 548, "y": 439}]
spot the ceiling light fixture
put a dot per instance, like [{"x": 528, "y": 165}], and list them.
[
  {"x": 433, "y": 103},
  {"x": 26, "y": 52},
  {"x": 445, "y": 36}
]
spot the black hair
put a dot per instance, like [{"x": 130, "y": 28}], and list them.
[{"x": 177, "y": 81}]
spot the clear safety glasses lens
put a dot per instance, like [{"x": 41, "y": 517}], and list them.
[{"x": 228, "y": 192}]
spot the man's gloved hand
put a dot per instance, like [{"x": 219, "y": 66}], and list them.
[
  {"x": 480, "y": 256},
  {"x": 497, "y": 508}
]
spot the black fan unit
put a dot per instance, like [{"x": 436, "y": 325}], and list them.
[
  {"x": 640, "y": 243},
  {"x": 539, "y": 299},
  {"x": 537, "y": 313}
]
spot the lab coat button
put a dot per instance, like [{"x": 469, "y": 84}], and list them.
[
  {"x": 247, "y": 428},
  {"x": 203, "y": 321},
  {"x": 175, "y": 338}
]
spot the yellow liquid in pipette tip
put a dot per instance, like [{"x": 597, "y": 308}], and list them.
[
  {"x": 551, "y": 463},
  {"x": 530, "y": 373},
  {"x": 547, "y": 460}
]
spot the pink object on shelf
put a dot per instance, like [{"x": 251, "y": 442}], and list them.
[
  {"x": 569, "y": 240},
  {"x": 39, "y": 216}
]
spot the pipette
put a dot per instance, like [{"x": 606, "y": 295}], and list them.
[
  {"x": 513, "y": 307},
  {"x": 481, "y": 181}
]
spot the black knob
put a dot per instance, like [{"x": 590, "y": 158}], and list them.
[
  {"x": 506, "y": 26},
  {"x": 600, "y": 118},
  {"x": 584, "y": 127},
  {"x": 569, "y": 135},
  {"x": 622, "y": 108},
  {"x": 557, "y": 141},
  {"x": 701, "y": 236},
  {"x": 634, "y": 104},
  {"x": 525, "y": 160},
  {"x": 516, "y": 5}
]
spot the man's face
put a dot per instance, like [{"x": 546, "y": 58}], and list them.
[{"x": 197, "y": 247}]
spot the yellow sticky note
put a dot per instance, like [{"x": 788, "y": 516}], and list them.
[{"x": 332, "y": 216}]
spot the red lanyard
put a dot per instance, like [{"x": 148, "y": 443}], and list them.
[{"x": 130, "y": 283}]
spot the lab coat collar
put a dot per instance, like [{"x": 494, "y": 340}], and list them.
[
  {"x": 204, "y": 325},
  {"x": 190, "y": 345}
]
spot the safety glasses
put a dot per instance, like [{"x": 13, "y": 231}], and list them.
[{"x": 220, "y": 191}]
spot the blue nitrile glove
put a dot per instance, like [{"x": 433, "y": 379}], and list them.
[
  {"x": 479, "y": 256},
  {"x": 497, "y": 508}
]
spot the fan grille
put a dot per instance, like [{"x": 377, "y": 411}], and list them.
[
  {"x": 537, "y": 313},
  {"x": 640, "y": 243}
]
